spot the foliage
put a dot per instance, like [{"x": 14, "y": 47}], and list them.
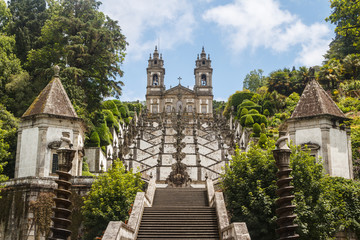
[
  {"x": 8, "y": 138},
  {"x": 13, "y": 79},
  {"x": 256, "y": 118},
  {"x": 243, "y": 112},
  {"x": 329, "y": 75},
  {"x": 345, "y": 17},
  {"x": 249, "y": 105},
  {"x": 94, "y": 140},
  {"x": 291, "y": 102},
  {"x": 263, "y": 140},
  {"x": 256, "y": 130},
  {"x": 86, "y": 169},
  {"x": 110, "y": 198},
  {"x": 28, "y": 17},
  {"x": 87, "y": 45},
  {"x": 249, "y": 121},
  {"x": 349, "y": 104},
  {"x": 234, "y": 100},
  {"x": 249, "y": 187},
  {"x": 218, "y": 106},
  {"x": 254, "y": 80},
  {"x": 355, "y": 146},
  {"x": 285, "y": 81},
  {"x": 325, "y": 205},
  {"x": 42, "y": 212}
]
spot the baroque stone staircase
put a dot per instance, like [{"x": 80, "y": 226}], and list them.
[{"x": 179, "y": 213}]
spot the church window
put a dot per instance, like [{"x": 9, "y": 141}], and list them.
[
  {"x": 154, "y": 109},
  {"x": 203, "y": 62},
  {"x": 203, "y": 80},
  {"x": 190, "y": 109},
  {"x": 203, "y": 109},
  {"x": 155, "y": 80},
  {"x": 168, "y": 108},
  {"x": 155, "y": 62},
  {"x": 55, "y": 163}
]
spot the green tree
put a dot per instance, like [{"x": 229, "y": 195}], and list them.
[
  {"x": 13, "y": 79},
  {"x": 249, "y": 188},
  {"x": 8, "y": 128},
  {"x": 345, "y": 17},
  {"x": 324, "y": 204},
  {"x": 28, "y": 17},
  {"x": 110, "y": 198},
  {"x": 88, "y": 46},
  {"x": 330, "y": 73},
  {"x": 254, "y": 80}
]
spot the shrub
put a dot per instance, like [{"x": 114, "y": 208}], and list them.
[
  {"x": 111, "y": 120},
  {"x": 324, "y": 204},
  {"x": 257, "y": 118},
  {"x": 263, "y": 140},
  {"x": 248, "y": 105},
  {"x": 256, "y": 130},
  {"x": 266, "y": 113},
  {"x": 110, "y": 105},
  {"x": 94, "y": 140},
  {"x": 110, "y": 199},
  {"x": 244, "y": 111},
  {"x": 237, "y": 98},
  {"x": 248, "y": 120},
  {"x": 253, "y": 111}
]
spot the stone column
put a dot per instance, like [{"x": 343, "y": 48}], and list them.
[
  {"x": 18, "y": 147},
  {"x": 41, "y": 152},
  {"x": 285, "y": 208},
  {"x": 325, "y": 141}
]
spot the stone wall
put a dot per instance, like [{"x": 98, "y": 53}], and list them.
[{"x": 18, "y": 219}]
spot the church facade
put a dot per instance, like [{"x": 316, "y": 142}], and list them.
[{"x": 179, "y": 98}]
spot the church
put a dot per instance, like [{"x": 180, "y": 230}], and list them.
[{"x": 179, "y": 98}]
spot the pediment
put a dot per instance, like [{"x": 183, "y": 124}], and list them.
[{"x": 179, "y": 89}]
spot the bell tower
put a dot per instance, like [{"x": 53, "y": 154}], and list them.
[
  {"x": 203, "y": 83},
  {"x": 155, "y": 82}
]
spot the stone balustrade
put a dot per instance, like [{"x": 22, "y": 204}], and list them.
[
  {"x": 118, "y": 230},
  {"x": 234, "y": 231}
]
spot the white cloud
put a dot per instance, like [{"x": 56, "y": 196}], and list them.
[
  {"x": 172, "y": 22},
  {"x": 262, "y": 23}
]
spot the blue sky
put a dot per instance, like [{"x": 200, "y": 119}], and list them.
[{"x": 239, "y": 35}]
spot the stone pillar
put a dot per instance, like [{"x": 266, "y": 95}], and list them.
[
  {"x": 41, "y": 152},
  {"x": 348, "y": 137},
  {"x": 286, "y": 228},
  {"x": 325, "y": 141},
  {"x": 18, "y": 147}
]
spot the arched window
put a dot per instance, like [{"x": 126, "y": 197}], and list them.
[
  {"x": 155, "y": 80},
  {"x": 168, "y": 108},
  {"x": 203, "y": 80}
]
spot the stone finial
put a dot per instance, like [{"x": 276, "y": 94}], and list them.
[
  {"x": 282, "y": 142},
  {"x": 66, "y": 142},
  {"x": 56, "y": 71}
]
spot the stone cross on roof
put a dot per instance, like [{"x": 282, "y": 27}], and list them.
[{"x": 179, "y": 78}]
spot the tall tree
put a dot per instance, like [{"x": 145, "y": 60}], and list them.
[
  {"x": 87, "y": 45},
  {"x": 254, "y": 80},
  {"x": 345, "y": 16},
  {"x": 8, "y": 128},
  {"x": 13, "y": 79},
  {"x": 28, "y": 17}
]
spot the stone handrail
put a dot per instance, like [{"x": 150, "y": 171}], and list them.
[
  {"x": 234, "y": 231},
  {"x": 117, "y": 230}
]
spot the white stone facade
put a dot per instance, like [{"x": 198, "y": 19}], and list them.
[{"x": 332, "y": 141}]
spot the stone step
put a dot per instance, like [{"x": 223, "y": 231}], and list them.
[{"x": 179, "y": 213}]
